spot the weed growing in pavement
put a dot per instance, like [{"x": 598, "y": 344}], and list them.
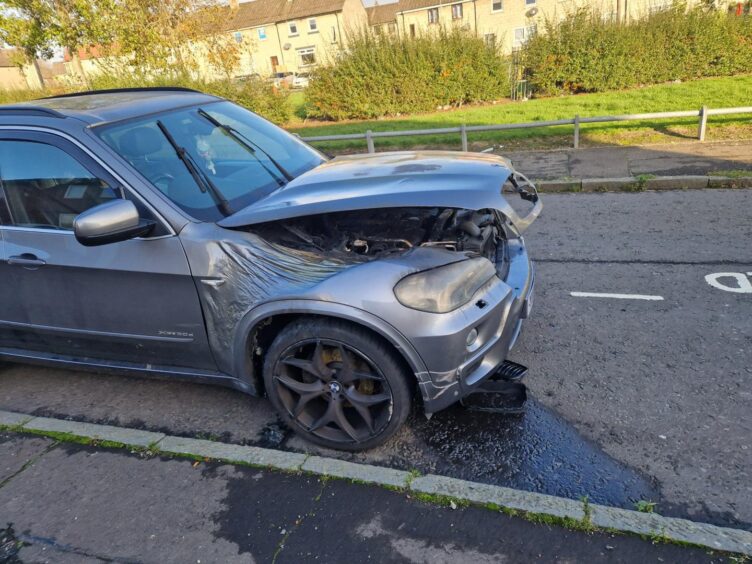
[{"x": 645, "y": 506}]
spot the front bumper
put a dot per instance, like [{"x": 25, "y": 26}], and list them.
[{"x": 496, "y": 312}]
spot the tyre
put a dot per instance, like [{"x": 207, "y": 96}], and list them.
[{"x": 336, "y": 384}]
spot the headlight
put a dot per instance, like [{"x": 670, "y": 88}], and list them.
[{"x": 445, "y": 288}]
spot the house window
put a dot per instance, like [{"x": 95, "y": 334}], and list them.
[
  {"x": 307, "y": 56},
  {"x": 490, "y": 39},
  {"x": 412, "y": 30},
  {"x": 313, "y": 27},
  {"x": 433, "y": 15},
  {"x": 529, "y": 2},
  {"x": 659, "y": 6},
  {"x": 522, "y": 34},
  {"x": 391, "y": 27},
  {"x": 262, "y": 33},
  {"x": 456, "y": 11},
  {"x": 238, "y": 37},
  {"x": 293, "y": 28},
  {"x": 497, "y": 6}
]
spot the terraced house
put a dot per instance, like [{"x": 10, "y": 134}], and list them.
[
  {"x": 506, "y": 23},
  {"x": 291, "y": 35},
  {"x": 297, "y": 35}
]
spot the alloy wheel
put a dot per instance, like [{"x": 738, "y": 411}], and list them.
[{"x": 333, "y": 391}]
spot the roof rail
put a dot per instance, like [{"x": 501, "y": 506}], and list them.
[
  {"x": 117, "y": 90},
  {"x": 29, "y": 110}
]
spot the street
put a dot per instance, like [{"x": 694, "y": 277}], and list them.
[{"x": 631, "y": 396}]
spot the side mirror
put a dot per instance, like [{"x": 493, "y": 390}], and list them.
[{"x": 110, "y": 222}]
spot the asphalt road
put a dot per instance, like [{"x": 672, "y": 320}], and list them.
[{"x": 630, "y": 398}]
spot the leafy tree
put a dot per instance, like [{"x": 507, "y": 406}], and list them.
[{"x": 145, "y": 38}]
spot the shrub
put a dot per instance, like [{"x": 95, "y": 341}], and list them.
[
  {"x": 585, "y": 53},
  {"x": 385, "y": 75},
  {"x": 256, "y": 95}
]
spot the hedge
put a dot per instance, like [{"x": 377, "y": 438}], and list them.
[
  {"x": 585, "y": 53},
  {"x": 386, "y": 75},
  {"x": 255, "y": 94}
]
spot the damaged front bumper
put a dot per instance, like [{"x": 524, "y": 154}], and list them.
[{"x": 455, "y": 365}]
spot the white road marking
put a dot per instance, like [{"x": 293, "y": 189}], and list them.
[
  {"x": 743, "y": 284},
  {"x": 615, "y": 296}
]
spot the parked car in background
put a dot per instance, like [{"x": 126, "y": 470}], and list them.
[
  {"x": 248, "y": 77},
  {"x": 173, "y": 233},
  {"x": 301, "y": 80},
  {"x": 282, "y": 79}
]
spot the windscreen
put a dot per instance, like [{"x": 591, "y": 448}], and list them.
[{"x": 201, "y": 155}]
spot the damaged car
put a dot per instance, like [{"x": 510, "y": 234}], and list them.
[{"x": 174, "y": 233}]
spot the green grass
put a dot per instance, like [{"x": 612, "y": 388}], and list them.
[{"x": 713, "y": 92}]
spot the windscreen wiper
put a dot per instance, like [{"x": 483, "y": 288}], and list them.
[
  {"x": 203, "y": 182},
  {"x": 247, "y": 143}
]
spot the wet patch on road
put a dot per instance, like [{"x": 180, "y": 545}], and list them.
[
  {"x": 535, "y": 451},
  {"x": 10, "y": 545}
]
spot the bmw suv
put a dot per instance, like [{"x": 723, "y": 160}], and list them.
[{"x": 174, "y": 233}]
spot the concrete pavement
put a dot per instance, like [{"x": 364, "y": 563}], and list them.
[
  {"x": 678, "y": 159},
  {"x": 67, "y": 503}
]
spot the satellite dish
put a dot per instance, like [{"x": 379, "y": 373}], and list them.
[
  {"x": 531, "y": 12},
  {"x": 286, "y": 46}
]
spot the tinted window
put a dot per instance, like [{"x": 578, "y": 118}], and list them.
[
  {"x": 243, "y": 169},
  {"x": 45, "y": 187}
]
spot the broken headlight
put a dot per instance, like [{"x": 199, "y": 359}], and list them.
[{"x": 446, "y": 288}]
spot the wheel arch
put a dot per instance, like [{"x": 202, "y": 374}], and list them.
[{"x": 267, "y": 319}]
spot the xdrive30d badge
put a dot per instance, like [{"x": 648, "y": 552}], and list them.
[{"x": 170, "y": 232}]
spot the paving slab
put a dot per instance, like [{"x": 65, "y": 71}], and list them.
[
  {"x": 132, "y": 437},
  {"x": 236, "y": 453},
  {"x": 668, "y": 159},
  {"x": 360, "y": 472}
]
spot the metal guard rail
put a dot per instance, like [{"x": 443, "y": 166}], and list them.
[{"x": 463, "y": 130}]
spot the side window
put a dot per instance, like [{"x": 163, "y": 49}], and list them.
[{"x": 45, "y": 187}]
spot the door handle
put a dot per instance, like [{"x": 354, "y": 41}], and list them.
[{"x": 27, "y": 260}]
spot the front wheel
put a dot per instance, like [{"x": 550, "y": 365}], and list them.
[{"x": 336, "y": 384}]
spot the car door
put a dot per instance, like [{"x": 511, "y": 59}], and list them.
[{"x": 132, "y": 302}]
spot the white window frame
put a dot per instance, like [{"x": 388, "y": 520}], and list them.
[
  {"x": 457, "y": 11},
  {"x": 499, "y": 9},
  {"x": 262, "y": 34},
  {"x": 292, "y": 26},
  {"x": 435, "y": 12},
  {"x": 486, "y": 39},
  {"x": 306, "y": 51},
  {"x": 313, "y": 26},
  {"x": 527, "y": 33}
]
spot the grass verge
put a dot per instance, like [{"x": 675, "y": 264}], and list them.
[{"x": 712, "y": 92}]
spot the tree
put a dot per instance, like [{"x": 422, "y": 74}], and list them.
[{"x": 143, "y": 38}]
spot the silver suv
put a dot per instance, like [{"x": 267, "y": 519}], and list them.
[{"x": 169, "y": 232}]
